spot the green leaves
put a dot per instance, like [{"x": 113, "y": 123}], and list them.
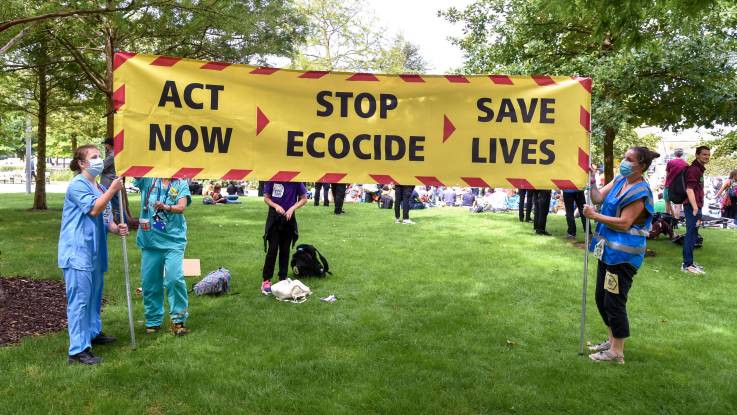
[
  {"x": 669, "y": 63},
  {"x": 342, "y": 36}
]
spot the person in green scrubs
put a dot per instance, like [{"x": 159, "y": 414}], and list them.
[{"x": 162, "y": 237}]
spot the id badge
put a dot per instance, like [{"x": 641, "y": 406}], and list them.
[
  {"x": 278, "y": 190},
  {"x": 144, "y": 224},
  {"x": 611, "y": 282},
  {"x": 599, "y": 249}
]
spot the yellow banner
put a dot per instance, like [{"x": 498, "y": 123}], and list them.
[{"x": 184, "y": 118}]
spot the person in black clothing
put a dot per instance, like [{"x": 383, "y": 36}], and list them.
[
  {"x": 402, "y": 197},
  {"x": 338, "y": 196},
  {"x": 569, "y": 198},
  {"x": 542, "y": 207},
  {"x": 324, "y": 187},
  {"x": 525, "y": 204}
]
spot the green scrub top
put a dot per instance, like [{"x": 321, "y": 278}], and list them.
[{"x": 174, "y": 232}]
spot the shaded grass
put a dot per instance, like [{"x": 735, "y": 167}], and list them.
[{"x": 461, "y": 313}]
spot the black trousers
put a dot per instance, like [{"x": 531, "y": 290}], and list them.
[
  {"x": 542, "y": 207},
  {"x": 324, "y": 187},
  {"x": 338, "y": 196},
  {"x": 579, "y": 198},
  {"x": 525, "y": 204},
  {"x": 279, "y": 241},
  {"x": 402, "y": 197},
  {"x": 611, "y": 297}
]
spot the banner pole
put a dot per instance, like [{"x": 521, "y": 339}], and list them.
[
  {"x": 127, "y": 274},
  {"x": 587, "y": 239}
]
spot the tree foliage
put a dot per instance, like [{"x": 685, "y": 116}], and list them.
[
  {"x": 57, "y": 57},
  {"x": 667, "y": 63},
  {"x": 343, "y": 36}
]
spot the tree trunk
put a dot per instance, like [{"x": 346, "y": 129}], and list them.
[
  {"x": 74, "y": 143},
  {"x": 39, "y": 198},
  {"x": 609, "y": 135}
]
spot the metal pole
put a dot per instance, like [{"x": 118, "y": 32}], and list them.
[
  {"x": 29, "y": 153},
  {"x": 585, "y": 283},
  {"x": 582, "y": 338},
  {"x": 127, "y": 274}
]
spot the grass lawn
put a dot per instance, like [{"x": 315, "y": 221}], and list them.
[{"x": 459, "y": 314}]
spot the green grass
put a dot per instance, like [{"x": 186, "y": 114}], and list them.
[{"x": 460, "y": 314}]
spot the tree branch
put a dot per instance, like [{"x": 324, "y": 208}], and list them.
[
  {"x": 16, "y": 38},
  {"x": 93, "y": 76},
  {"x": 30, "y": 19}
]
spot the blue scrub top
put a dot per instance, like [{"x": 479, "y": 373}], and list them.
[
  {"x": 83, "y": 238},
  {"x": 175, "y": 234}
]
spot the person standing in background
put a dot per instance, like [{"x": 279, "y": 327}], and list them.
[
  {"x": 694, "y": 178},
  {"x": 338, "y": 190},
  {"x": 402, "y": 198},
  {"x": 542, "y": 208},
  {"x": 324, "y": 187},
  {"x": 525, "y": 204},
  {"x": 571, "y": 197},
  {"x": 729, "y": 187},
  {"x": 672, "y": 169}
]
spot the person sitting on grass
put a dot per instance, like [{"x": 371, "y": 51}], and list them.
[
  {"x": 85, "y": 221},
  {"x": 468, "y": 198},
  {"x": 217, "y": 195},
  {"x": 449, "y": 197},
  {"x": 619, "y": 243},
  {"x": 386, "y": 200},
  {"x": 283, "y": 199}
]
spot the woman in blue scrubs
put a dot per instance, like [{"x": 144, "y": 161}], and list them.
[
  {"x": 85, "y": 221},
  {"x": 162, "y": 237}
]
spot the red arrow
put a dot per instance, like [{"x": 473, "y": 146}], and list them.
[
  {"x": 261, "y": 121},
  {"x": 448, "y": 128}
]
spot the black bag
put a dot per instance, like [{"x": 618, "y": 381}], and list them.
[
  {"x": 677, "y": 188},
  {"x": 307, "y": 261}
]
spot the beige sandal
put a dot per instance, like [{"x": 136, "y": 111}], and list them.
[
  {"x": 607, "y": 356},
  {"x": 178, "y": 329}
]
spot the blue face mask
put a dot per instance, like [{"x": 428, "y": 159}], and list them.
[
  {"x": 95, "y": 168},
  {"x": 625, "y": 168}
]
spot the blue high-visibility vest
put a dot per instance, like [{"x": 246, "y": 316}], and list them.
[{"x": 624, "y": 247}]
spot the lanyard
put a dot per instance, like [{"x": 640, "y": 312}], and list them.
[{"x": 158, "y": 193}]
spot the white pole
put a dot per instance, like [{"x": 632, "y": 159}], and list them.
[
  {"x": 127, "y": 274},
  {"x": 29, "y": 154}
]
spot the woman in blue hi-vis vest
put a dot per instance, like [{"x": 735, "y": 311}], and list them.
[{"x": 619, "y": 243}]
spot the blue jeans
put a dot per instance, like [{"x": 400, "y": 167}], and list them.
[{"x": 692, "y": 233}]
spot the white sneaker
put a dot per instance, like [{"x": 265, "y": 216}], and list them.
[
  {"x": 605, "y": 345},
  {"x": 692, "y": 269},
  {"x": 397, "y": 220},
  {"x": 408, "y": 222}
]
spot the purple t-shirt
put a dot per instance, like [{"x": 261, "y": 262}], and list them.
[{"x": 285, "y": 194}]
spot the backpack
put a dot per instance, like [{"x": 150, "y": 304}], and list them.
[
  {"x": 307, "y": 261},
  {"x": 215, "y": 283},
  {"x": 208, "y": 200},
  {"x": 677, "y": 188}
]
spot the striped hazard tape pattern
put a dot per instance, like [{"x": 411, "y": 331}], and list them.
[{"x": 262, "y": 122}]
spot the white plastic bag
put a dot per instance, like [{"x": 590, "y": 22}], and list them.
[{"x": 291, "y": 290}]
